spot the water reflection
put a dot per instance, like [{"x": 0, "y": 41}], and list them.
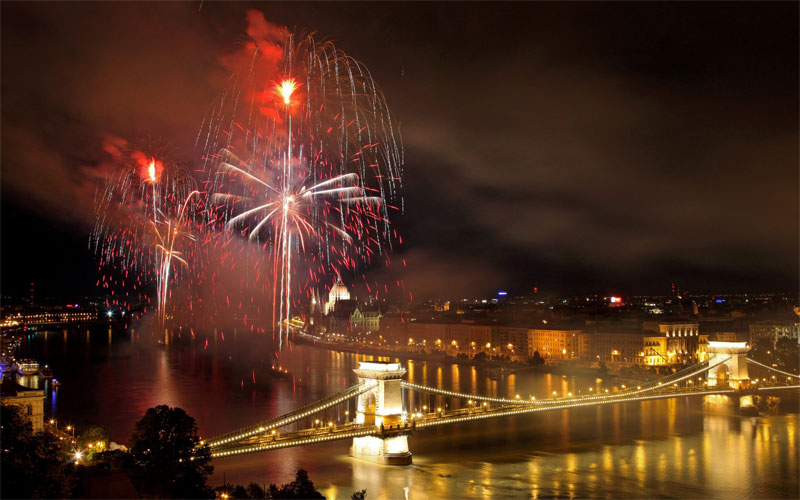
[{"x": 656, "y": 448}]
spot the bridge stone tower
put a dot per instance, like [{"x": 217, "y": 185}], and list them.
[
  {"x": 732, "y": 372},
  {"x": 382, "y": 406}
]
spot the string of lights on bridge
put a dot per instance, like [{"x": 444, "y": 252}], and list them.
[
  {"x": 467, "y": 415},
  {"x": 350, "y": 392},
  {"x": 534, "y": 401},
  {"x": 753, "y": 361},
  {"x": 666, "y": 387}
]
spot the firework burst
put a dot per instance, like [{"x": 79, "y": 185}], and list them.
[
  {"x": 308, "y": 167},
  {"x": 141, "y": 194}
]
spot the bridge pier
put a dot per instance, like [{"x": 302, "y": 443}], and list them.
[
  {"x": 746, "y": 405},
  {"x": 382, "y": 406}
]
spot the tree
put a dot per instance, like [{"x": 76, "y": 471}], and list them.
[
  {"x": 93, "y": 440},
  {"x": 32, "y": 465},
  {"x": 239, "y": 493},
  {"x": 537, "y": 359},
  {"x": 787, "y": 352},
  {"x": 255, "y": 491},
  {"x": 168, "y": 461},
  {"x": 300, "y": 488},
  {"x": 762, "y": 350}
]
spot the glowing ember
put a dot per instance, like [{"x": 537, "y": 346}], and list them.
[
  {"x": 151, "y": 170},
  {"x": 285, "y": 89}
]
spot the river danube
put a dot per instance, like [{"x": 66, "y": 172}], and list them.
[{"x": 225, "y": 380}]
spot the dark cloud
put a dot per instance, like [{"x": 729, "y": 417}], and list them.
[{"x": 565, "y": 145}]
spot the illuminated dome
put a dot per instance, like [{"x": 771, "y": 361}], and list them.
[{"x": 338, "y": 292}]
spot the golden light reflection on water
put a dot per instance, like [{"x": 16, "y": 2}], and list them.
[
  {"x": 487, "y": 474},
  {"x": 671, "y": 412},
  {"x": 661, "y": 467},
  {"x": 455, "y": 378},
  {"x": 657, "y": 448},
  {"x": 691, "y": 465},
  {"x": 640, "y": 461},
  {"x": 533, "y": 476},
  {"x": 473, "y": 379}
]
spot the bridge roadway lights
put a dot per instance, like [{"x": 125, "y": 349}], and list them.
[{"x": 382, "y": 406}]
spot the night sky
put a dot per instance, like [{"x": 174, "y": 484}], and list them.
[{"x": 573, "y": 147}]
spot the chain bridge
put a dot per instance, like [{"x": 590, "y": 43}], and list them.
[{"x": 382, "y": 424}]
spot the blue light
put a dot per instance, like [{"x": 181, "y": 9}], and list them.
[
  {"x": 719, "y": 301},
  {"x": 502, "y": 294}
]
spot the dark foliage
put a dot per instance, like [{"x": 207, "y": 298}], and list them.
[
  {"x": 301, "y": 488},
  {"x": 33, "y": 465},
  {"x": 784, "y": 352},
  {"x": 167, "y": 461},
  {"x": 255, "y": 491}
]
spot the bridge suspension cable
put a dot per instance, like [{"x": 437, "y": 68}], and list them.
[
  {"x": 468, "y": 415},
  {"x": 292, "y": 416},
  {"x": 443, "y": 392},
  {"x": 753, "y": 361},
  {"x": 674, "y": 378},
  {"x": 778, "y": 387}
]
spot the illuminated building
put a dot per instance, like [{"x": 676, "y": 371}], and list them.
[
  {"x": 514, "y": 336},
  {"x": 655, "y": 350},
  {"x": 462, "y": 337},
  {"x": 337, "y": 293},
  {"x": 31, "y": 401},
  {"x": 553, "y": 344},
  {"x": 365, "y": 319},
  {"x": 622, "y": 348},
  {"x": 674, "y": 342},
  {"x": 774, "y": 330}
]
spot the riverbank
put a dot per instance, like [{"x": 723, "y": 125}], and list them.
[{"x": 567, "y": 368}]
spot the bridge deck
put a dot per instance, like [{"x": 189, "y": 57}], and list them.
[{"x": 266, "y": 442}]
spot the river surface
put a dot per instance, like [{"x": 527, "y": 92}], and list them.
[{"x": 656, "y": 449}]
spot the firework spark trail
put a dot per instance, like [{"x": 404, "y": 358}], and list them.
[
  {"x": 320, "y": 160},
  {"x": 139, "y": 194},
  {"x": 166, "y": 247}
]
